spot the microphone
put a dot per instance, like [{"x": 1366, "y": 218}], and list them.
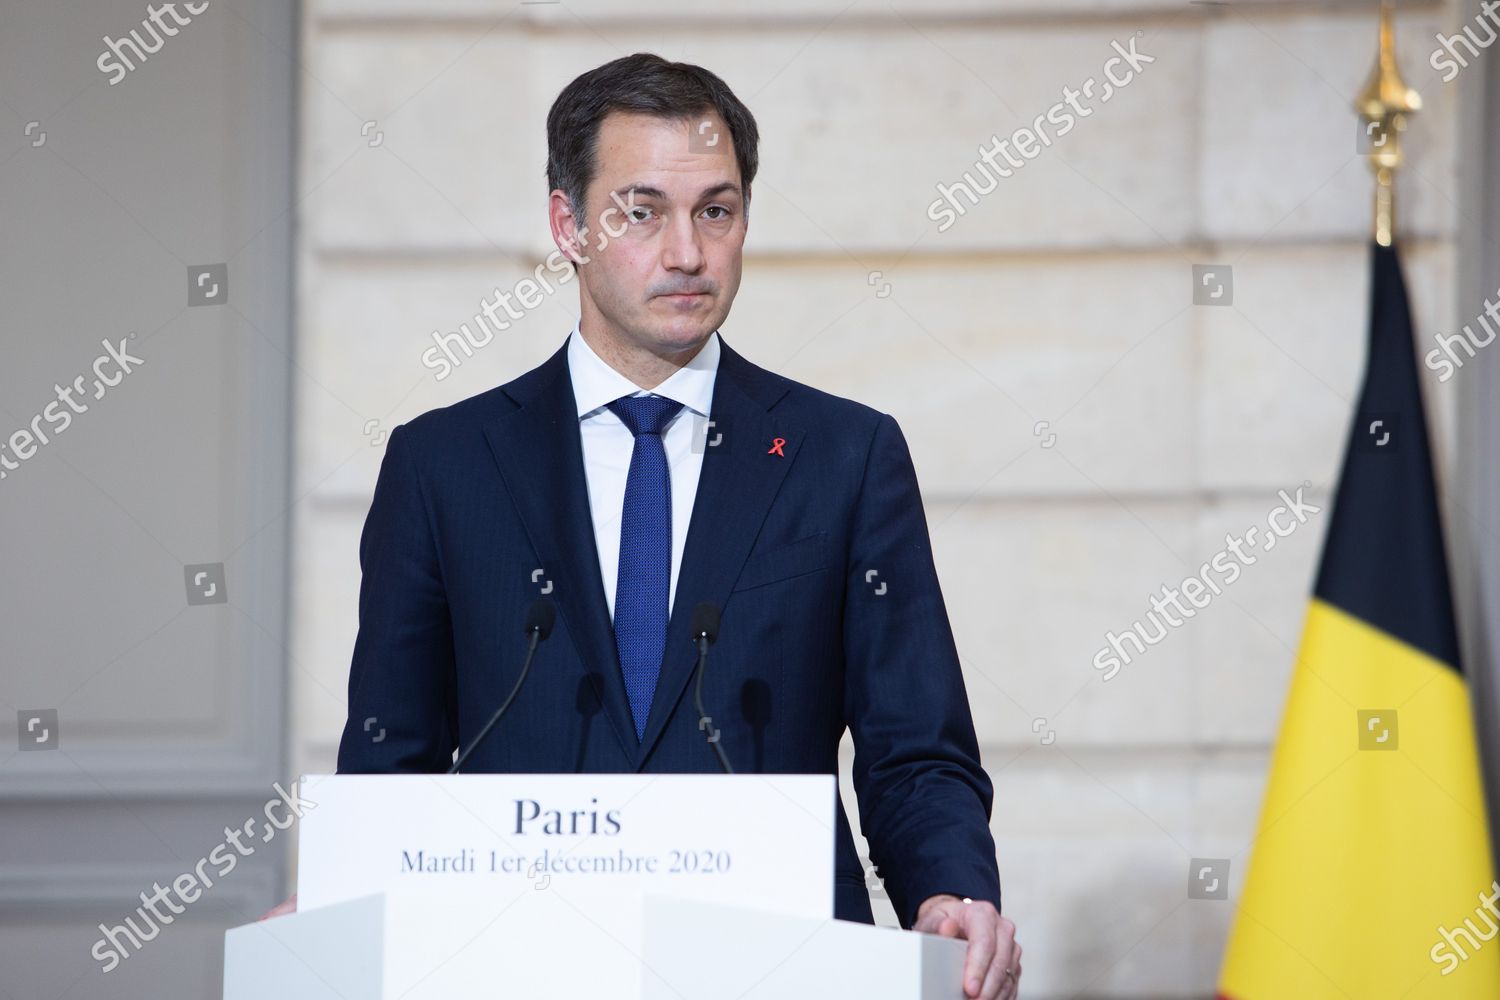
[
  {"x": 705, "y": 630},
  {"x": 539, "y": 620}
]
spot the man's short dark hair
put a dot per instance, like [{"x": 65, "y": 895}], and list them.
[{"x": 643, "y": 83}]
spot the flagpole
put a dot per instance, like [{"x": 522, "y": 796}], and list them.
[{"x": 1385, "y": 104}]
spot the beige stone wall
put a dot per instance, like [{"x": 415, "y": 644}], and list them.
[{"x": 1065, "y": 297}]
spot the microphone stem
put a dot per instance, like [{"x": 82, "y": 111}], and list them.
[
  {"x": 536, "y": 637},
  {"x": 704, "y": 723}
]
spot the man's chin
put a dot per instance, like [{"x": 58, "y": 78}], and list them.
[{"x": 683, "y": 333}]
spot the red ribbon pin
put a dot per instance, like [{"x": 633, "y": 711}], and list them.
[{"x": 776, "y": 444}]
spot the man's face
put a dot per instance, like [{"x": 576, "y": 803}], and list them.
[{"x": 672, "y": 235}]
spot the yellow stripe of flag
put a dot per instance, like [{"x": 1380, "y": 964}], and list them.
[{"x": 1367, "y": 846}]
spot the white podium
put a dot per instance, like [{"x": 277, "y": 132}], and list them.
[{"x": 422, "y": 887}]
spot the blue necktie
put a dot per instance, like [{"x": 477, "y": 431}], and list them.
[{"x": 641, "y": 590}]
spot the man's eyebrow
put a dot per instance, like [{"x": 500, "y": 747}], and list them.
[
  {"x": 727, "y": 187},
  {"x": 646, "y": 191}
]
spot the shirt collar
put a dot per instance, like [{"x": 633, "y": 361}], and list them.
[{"x": 596, "y": 384}]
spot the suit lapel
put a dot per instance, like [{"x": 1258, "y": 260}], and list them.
[
  {"x": 740, "y": 478},
  {"x": 540, "y": 455}
]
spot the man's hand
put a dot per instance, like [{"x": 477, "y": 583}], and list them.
[
  {"x": 281, "y": 909},
  {"x": 992, "y": 943}
]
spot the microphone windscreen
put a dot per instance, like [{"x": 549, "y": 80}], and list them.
[
  {"x": 705, "y": 622},
  {"x": 540, "y": 617}
]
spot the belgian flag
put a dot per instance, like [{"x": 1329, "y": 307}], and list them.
[{"x": 1370, "y": 875}]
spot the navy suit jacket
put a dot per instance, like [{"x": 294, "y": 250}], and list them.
[{"x": 817, "y": 552}]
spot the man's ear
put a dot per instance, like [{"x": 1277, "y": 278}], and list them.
[{"x": 570, "y": 237}]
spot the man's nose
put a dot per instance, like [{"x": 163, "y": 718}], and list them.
[{"x": 682, "y": 251}]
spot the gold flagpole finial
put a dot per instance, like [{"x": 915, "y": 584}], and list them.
[{"x": 1384, "y": 104}]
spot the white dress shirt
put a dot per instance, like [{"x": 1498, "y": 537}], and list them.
[{"x": 608, "y": 443}]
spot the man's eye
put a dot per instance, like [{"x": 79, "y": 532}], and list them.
[
  {"x": 638, "y": 214},
  {"x": 723, "y": 212}
]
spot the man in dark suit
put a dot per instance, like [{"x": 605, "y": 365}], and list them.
[{"x": 647, "y": 467}]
